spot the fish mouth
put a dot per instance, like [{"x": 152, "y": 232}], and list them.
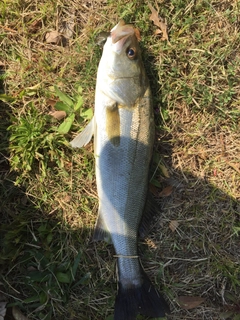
[{"x": 120, "y": 33}]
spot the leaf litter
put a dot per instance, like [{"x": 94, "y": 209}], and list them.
[
  {"x": 173, "y": 225},
  {"x": 64, "y": 29},
  {"x": 159, "y": 22},
  {"x": 167, "y": 191},
  {"x": 190, "y": 302}
]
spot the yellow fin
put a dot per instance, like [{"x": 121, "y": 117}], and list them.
[{"x": 113, "y": 124}]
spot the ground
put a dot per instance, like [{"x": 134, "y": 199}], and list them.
[{"x": 50, "y": 268}]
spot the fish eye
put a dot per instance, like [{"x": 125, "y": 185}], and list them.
[{"x": 131, "y": 53}]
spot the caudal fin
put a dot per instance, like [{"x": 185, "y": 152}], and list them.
[{"x": 145, "y": 300}]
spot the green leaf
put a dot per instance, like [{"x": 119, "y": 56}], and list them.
[
  {"x": 63, "y": 277},
  {"x": 43, "y": 297},
  {"x": 66, "y": 125},
  {"x": 6, "y": 98},
  {"x": 31, "y": 299},
  {"x": 38, "y": 276},
  {"x": 76, "y": 263},
  {"x": 79, "y": 103},
  {"x": 156, "y": 183},
  {"x": 49, "y": 238},
  {"x": 61, "y": 106},
  {"x": 87, "y": 114},
  {"x": 79, "y": 90},
  {"x": 63, "y": 97}
]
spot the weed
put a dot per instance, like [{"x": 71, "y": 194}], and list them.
[
  {"x": 33, "y": 142},
  {"x": 71, "y": 106}
]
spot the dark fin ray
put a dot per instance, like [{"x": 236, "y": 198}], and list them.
[
  {"x": 100, "y": 232},
  {"x": 145, "y": 300},
  {"x": 151, "y": 209}
]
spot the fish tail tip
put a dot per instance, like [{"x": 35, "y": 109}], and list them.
[{"x": 145, "y": 300}]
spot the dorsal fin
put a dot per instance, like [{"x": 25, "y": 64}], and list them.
[{"x": 151, "y": 209}]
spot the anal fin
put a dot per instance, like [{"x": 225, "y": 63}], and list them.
[{"x": 101, "y": 232}]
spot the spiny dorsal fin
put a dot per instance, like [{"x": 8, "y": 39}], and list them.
[{"x": 150, "y": 210}]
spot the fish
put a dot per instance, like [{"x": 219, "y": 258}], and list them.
[{"x": 123, "y": 130}]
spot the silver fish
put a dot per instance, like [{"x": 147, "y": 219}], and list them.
[{"x": 123, "y": 128}]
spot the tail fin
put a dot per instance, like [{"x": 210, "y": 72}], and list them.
[{"x": 145, "y": 300}]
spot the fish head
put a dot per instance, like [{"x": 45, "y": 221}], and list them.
[
  {"x": 126, "y": 55},
  {"x": 121, "y": 74}
]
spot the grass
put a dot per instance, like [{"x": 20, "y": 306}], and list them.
[{"x": 49, "y": 267}]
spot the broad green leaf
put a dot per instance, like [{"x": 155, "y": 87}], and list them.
[
  {"x": 31, "y": 299},
  {"x": 76, "y": 263},
  {"x": 43, "y": 297},
  {"x": 63, "y": 277},
  {"x": 156, "y": 183},
  {"x": 49, "y": 238},
  {"x": 63, "y": 97},
  {"x": 79, "y": 103},
  {"x": 66, "y": 125},
  {"x": 79, "y": 90},
  {"x": 87, "y": 114},
  {"x": 164, "y": 171},
  {"x": 61, "y": 106},
  {"x": 38, "y": 276}
]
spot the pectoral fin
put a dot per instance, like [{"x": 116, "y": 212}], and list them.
[
  {"x": 113, "y": 124},
  {"x": 83, "y": 138}
]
